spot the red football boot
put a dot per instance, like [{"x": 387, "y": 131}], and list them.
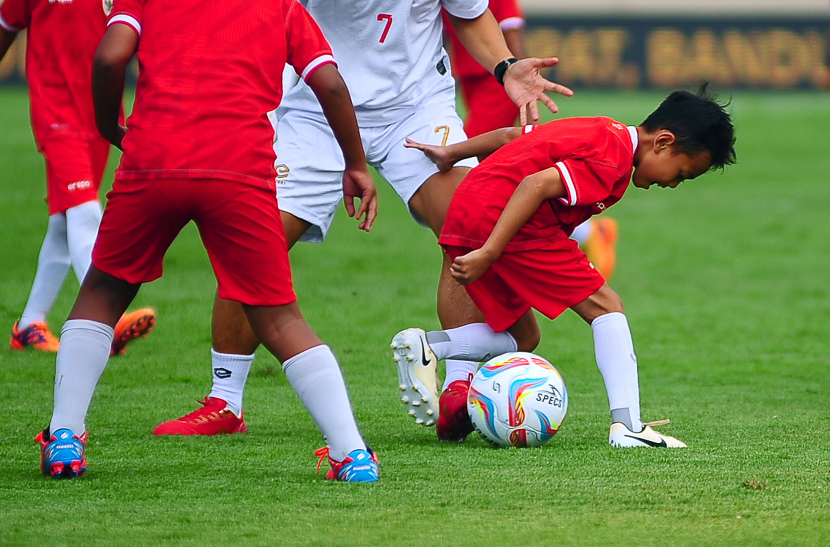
[
  {"x": 453, "y": 420},
  {"x": 212, "y": 419}
]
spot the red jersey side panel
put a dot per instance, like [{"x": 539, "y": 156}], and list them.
[
  {"x": 508, "y": 14},
  {"x": 210, "y": 71},
  {"x": 594, "y": 156},
  {"x": 62, "y": 39}
]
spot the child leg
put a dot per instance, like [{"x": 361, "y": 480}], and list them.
[
  {"x": 614, "y": 351},
  {"x": 312, "y": 371}
]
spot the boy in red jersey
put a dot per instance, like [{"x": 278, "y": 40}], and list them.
[
  {"x": 198, "y": 146},
  {"x": 61, "y": 43},
  {"x": 507, "y": 233}
]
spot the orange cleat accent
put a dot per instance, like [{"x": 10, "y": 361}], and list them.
[
  {"x": 601, "y": 247},
  {"x": 213, "y": 418},
  {"x": 36, "y": 336},
  {"x": 137, "y": 324}
]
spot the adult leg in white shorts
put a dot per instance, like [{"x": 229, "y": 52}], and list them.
[{"x": 310, "y": 165}]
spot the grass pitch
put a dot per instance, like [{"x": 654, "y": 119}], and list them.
[{"x": 726, "y": 288}]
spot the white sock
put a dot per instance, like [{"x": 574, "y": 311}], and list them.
[
  {"x": 315, "y": 376},
  {"x": 582, "y": 232},
  {"x": 82, "y": 224},
  {"x": 83, "y": 354},
  {"x": 458, "y": 370},
  {"x": 475, "y": 342},
  {"x": 614, "y": 351},
  {"x": 52, "y": 267},
  {"x": 230, "y": 373}
]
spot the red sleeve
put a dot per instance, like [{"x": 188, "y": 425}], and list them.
[
  {"x": 15, "y": 14},
  {"x": 591, "y": 179},
  {"x": 128, "y": 12},
  {"x": 306, "y": 47},
  {"x": 508, "y": 13}
]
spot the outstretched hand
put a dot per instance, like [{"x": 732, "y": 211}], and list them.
[
  {"x": 525, "y": 85},
  {"x": 358, "y": 183},
  {"x": 436, "y": 154},
  {"x": 467, "y": 268}
]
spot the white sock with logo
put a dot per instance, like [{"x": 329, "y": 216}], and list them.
[
  {"x": 458, "y": 370},
  {"x": 475, "y": 342},
  {"x": 230, "y": 373},
  {"x": 315, "y": 376},
  {"x": 52, "y": 267},
  {"x": 614, "y": 352},
  {"x": 82, "y": 357},
  {"x": 81, "y": 230},
  {"x": 582, "y": 232}
]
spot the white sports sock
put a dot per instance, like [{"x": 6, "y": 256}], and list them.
[
  {"x": 458, "y": 370},
  {"x": 475, "y": 342},
  {"x": 230, "y": 373},
  {"x": 614, "y": 352},
  {"x": 315, "y": 376},
  {"x": 82, "y": 224},
  {"x": 582, "y": 232},
  {"x": 82, "y": 357},
  {"x": 52, "y": 267}
]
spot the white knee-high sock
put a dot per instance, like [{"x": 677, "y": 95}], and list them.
[
  {"x": 475, "y": 342},
  {"x": 81, "y": 230},
  {"x": 614, "y": 352},
  {"x": 82, "y": 357},
  {"x": 230, "y": 373},
  {"x": 315, "y": 376},
  {"x": 458, "y": 370},
  {"x": 582, "y": 232},
  {"x": 52, "y": 267}
]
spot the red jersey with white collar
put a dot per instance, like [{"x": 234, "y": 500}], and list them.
[
  {"x": 210, "y": 71},
  {"x": 594, "y": 157},
  {"x": 62, "y": 38},
  {"x": 508, "y": 14}
]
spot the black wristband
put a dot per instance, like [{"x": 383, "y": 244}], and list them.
[{"x": 501, "y": 68}]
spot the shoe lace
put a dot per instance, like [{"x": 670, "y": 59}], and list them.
[
  {"x": 323, "y": 453},
  {"x": 656, "y": 423},
  {"x": 198, "y": 411}
]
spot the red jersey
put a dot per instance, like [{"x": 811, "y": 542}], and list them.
[
  {"x": 210, "y": 71},
  {"x": 594, "y": 156},
  {"x": 62, "y": 38},
  {"x": 509, "y": 16}
]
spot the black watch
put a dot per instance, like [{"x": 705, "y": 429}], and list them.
[{"x": 501, "y": 68}]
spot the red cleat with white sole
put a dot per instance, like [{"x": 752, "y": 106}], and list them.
[{"x": 214, "y": 418}]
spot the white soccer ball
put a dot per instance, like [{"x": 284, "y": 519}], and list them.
[{"x": 517, "y": 399}]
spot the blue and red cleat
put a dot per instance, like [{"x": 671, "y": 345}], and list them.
[
  {"x": 62, "y": 453},
  {"x": 358, "y": 466}
]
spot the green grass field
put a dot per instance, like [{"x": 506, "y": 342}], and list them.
[{"x": 725, "y": 282}]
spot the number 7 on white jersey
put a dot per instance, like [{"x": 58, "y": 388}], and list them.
[{"x": 388, "y": 18}]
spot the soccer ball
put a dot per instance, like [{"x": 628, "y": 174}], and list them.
[{"x": 517, "y": 399}]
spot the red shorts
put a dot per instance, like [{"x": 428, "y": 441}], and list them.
[
  {"x": 488, "y": 106},
  {"x": 74, "y": 168},
  {"x": 240, "y": 227},
  {"x": 550, "y": 279}
]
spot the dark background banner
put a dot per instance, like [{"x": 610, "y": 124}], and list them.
[{"x": 633, "y": 53}]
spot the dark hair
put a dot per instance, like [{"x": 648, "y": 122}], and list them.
[{"x": 699, "y": 123}]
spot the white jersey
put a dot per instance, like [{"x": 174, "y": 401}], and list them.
[{"x": 389, "y": 52}]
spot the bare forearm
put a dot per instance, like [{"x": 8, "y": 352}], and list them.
[
  {"x": 515, "y": 42},
  {"x": 107, "y": 91},
  {"x": 483, "y": 38},
  {"x": 6, "y": 39},
  {"x": 333, "y": 95},
  {"x": 524, "y": 202},
  {"x": 483, "y": 145}
]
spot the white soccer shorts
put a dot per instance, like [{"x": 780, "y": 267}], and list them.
[{"x": 310, "y": 165}]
